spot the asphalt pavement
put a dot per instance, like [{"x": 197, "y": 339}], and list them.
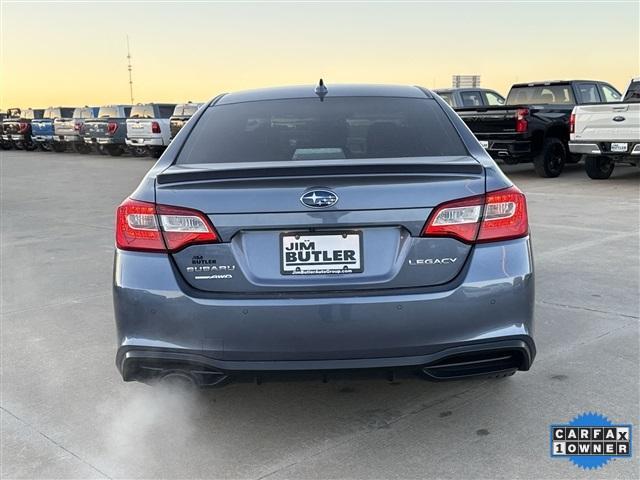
[{"x": 67, "y": 414}]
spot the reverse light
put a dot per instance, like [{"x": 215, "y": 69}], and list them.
[
  {"x": 155, "y": 127},
  {"x": 521, "y": 120},
  {"x": 496, "y": 216},
  {"x": 145, "y": 226}
]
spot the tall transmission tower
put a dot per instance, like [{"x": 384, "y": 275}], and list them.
[{"x": 129, "y": 67}]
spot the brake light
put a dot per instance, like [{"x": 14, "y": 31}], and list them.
[
  {"x": 147, "y": 227},
  {"x": 23, "y": 127},
  {"x": 112, "y": 127},
  {"x": 155, "y": 127},
  {"x": 572, "y": 122},
  {"x": 505, "y": 216},
  {"x": 498, "y": 215},
  {"x": 521, "y": 120}
]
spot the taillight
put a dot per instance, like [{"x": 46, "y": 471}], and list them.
[
  {"x": 155, "y": 127},
  {"x": 572, "y": 122},
  {"x": 23, "y": 127},
  {"x": 144, "y": 226},
  {"x": 77, "y": 126},
  {"x": 112, "y": 127},
  {"x": 498, "y": 215},
  {"x": 505, "y": 216},
  {"x": 521, "y": 120}
]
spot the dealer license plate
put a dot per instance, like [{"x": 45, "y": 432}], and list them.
[
  {"x": 618, "y": 147},
  {"x": 320, "y": 253}
]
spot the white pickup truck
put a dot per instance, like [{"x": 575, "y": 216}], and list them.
[
  {"x": 607, "y": 134},
  {"x": 148, "y": 128}
]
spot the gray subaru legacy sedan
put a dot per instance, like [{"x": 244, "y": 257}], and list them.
[{"x": 324, "y": 230}]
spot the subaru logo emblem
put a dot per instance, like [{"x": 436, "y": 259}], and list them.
[{"x": 319, "y": 198}]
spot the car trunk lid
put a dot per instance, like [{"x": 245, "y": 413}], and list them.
[{"x": 259, "y": 214}]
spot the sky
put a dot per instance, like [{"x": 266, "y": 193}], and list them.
[{"x": 58, "y": 53}]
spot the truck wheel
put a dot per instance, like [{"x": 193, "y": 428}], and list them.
[
  {"x": 83, "y": 148},
  {"x": 114, "y": 150},
  {"x": 599, "y": 168},
  {"x": 139, "y": 151},
  {"x": 30, "y": 146},
  {"x": 58, "y": 147},
  {"x": 550, "y": 162},
  {"x": 6, "y": 145},
  {"x": 156, "y": 152}
]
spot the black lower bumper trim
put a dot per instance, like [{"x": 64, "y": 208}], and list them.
[{"x": 497, "y": 358}]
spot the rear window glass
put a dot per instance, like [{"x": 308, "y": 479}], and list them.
[
  {"x": 308, "y": 129},
  {"x": 542, "y": 94},
  {"x": 108, "y": 112},
  {"x": 633, "y": 93},
  {"x": 30, "y": 114},
  {"x": 186, "y": 109},
  {"x": 83, "y": 113},
  {"x": 166, "y": 110},
  {"x": 14, "y": 112},
  {"x": 142, "y": 111},
  {"x": 58, "y": 113}
]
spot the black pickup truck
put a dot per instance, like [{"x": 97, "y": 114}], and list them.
[{"x": 533, "y": 124}]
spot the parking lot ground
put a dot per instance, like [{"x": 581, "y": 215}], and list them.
[{"x": 67, "y": 414}]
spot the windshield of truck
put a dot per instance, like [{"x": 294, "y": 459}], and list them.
[
  {"x": 83, "y": 113},
  {"x": 633, "y": 92},
  {"x": 186, "y": 109},
  {"x": 142, "y": 111},
  {"x": 541, "y": 94},
  {"x": 108, "y": 112}
]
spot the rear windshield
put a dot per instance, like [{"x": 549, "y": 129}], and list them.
[
  {"x": 142, "y": 111},
  {"x": 112, "y": 112},
  {"x": 186, "y": 109},
  {"x": 308, "y": 129},
  {"x": 58, "y": 113},
  {"x": 633, "y": 92},
  {"x": 14, "y": 113},
  {"x": 541, "y": 94},
  {"x": 30, "y": 114},
  {"x": 83, "y": 113}
]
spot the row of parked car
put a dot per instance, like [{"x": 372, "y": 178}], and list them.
[
  {"x": 547, "y": 123},
  {"x": 554, "y": 123},
  {"x": 144, "y": 129}
]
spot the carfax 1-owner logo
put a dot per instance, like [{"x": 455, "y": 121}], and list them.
[{"x": 590, "y": 440}]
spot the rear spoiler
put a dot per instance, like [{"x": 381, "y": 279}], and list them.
[{"x": 453, "y": 165}]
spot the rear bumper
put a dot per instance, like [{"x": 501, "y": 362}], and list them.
[
  {"x": 42, "y": 138},
  {"x": 601, "y": 148},
  {"x": 68, "y": 139},
  {"x": 501, "y": 149},
  {"x": 156, "y": 319},
  {"x": 145, "y": 142}
]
